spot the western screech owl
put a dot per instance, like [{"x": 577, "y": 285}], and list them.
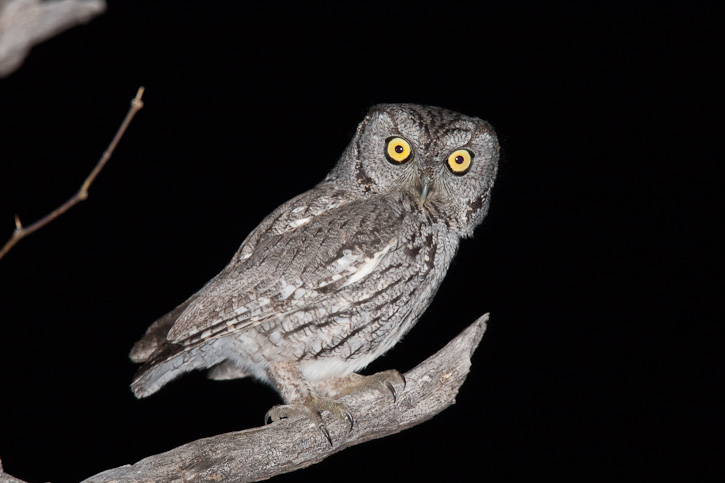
[{"x": 334, "y": 277}]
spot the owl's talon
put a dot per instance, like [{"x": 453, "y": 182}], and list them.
[
  {"x": 392, "y": 391},
  {"x": 276, "y": 413},
  {"x": 383, "y": 382},
  {"x": 326, "y": 432},
  {"x": 312, "y": 409},
  {"x": 350, "y": 418}
]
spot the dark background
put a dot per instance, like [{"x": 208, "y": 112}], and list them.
[{"x": 597, "y": 261}]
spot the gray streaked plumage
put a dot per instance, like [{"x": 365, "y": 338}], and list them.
[{"x": 335, "y": 277}]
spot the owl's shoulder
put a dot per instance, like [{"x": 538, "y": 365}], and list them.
[{"x": 293, "y": 214}]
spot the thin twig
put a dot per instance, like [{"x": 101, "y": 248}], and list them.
[{"x": 21, "y": 232}]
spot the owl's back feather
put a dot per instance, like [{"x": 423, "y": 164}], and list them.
[{"x": 276, "y": 280}]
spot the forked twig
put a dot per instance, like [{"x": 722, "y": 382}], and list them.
[{"x": 21, "y": 231}]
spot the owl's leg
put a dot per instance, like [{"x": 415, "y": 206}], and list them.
[
  {"x": 301, "y": 398},
  {"x": 354, "y": 383}
]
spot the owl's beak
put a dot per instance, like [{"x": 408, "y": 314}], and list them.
[{"x": 424, "y": 188}]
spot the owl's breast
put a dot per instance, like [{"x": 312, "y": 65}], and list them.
[{"x": 365, "y": 319}]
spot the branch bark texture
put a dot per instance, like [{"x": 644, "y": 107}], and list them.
[{"x": 260, "y": 453}]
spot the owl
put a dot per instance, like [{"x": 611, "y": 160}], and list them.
[{"x": 336, "y": 276}]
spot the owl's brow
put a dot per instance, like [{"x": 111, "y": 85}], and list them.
[{"x": 436, "y": 125}]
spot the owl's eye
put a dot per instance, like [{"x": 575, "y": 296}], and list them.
[
  {"x": 459, "y": 162},
  {"x": 397, "y": 150}
]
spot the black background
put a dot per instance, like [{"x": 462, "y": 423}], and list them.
[{"x": 597, "y": 261}]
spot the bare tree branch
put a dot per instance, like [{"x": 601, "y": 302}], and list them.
[
  {"x": 260, "y": 453},
  {"x": 21, "y": 232},
  {"x": 6, "y": 478},
  {"x": 24, "y": 23}
]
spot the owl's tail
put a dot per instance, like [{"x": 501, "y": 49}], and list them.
[{"x": 161, "y": 370}]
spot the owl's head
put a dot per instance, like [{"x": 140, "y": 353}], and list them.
[{"x": 445, "y": 160}]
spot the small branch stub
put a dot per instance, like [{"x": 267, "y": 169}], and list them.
[{"x": 21, "y": 232}]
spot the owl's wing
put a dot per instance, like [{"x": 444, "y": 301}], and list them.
[{"x": 292, "y": 270}]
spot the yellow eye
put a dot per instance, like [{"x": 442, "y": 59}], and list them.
[
  {"x": 397, "y": 150},
  {"x": 459, "y": 162}
]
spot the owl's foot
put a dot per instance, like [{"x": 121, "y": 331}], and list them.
[
  {"x": 383, "y": 382},
  {"x": 312, "y": 408}
]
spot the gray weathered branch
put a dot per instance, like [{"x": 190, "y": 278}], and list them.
[
  {"x": 6, "y": 478},
  {"x": 260, "y": 453},
  {"x": 24, "y": 23}
]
